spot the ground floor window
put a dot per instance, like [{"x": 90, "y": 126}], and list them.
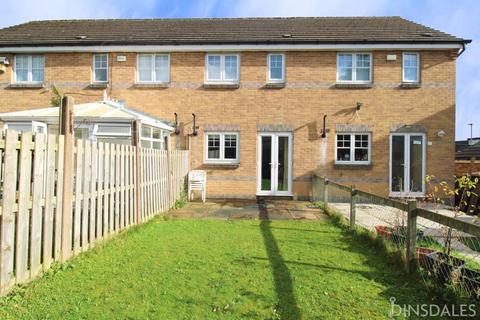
[
  {"x": 221, "y": 147},
  {"x": 353, "y": 148}
]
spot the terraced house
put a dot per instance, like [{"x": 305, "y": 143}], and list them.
[{"x": 261, "y": 103}]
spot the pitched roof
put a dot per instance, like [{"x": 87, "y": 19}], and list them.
[
  {"x": 304, "y": 30},
  {"x": 468, "y": 152}
]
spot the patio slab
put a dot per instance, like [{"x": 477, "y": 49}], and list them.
[{"x": 250, "y": 210}]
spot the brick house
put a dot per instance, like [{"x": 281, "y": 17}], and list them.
[{"x": 366, "y": 101}]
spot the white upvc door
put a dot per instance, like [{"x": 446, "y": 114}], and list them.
[
  {"x": 274, "y": 164},
  {"x": 407, "y": 164}
]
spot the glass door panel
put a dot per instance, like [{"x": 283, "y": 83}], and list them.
[
  {"x": 265, "y": 162},
  {"x": 282, "y": 164},
  {"x": 416, "y": 164},
  {"x": 398, "y": 164}
]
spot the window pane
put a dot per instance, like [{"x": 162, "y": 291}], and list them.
[
  {"x": 416, "y": 164},
  {"x": 410, "y": 74},
  {"x": 231, "y": 67},
  {"x": 21, "y": 68},
  {"x": 157, "y": 145},
  {"x": 213, "y": 146},
  {"x": 146, "y": 132},
  {"x": 156, "y": 133},
  {"x": 146, "y": 143},
  {"x": 362, "y": 67},
  {"x": 213, "y": 68},
  {"x": 276, "y": 70},
  {"x": 361, "y": 154},
  {"x": 145, "y": 68},
  {"x": 113, "y": 129},
  {"x": 343, "y": 154},
  {"x": 345, "y": 65},
  {"x": 161, "y": 68},
  {"x": 363, "y": 74},
  {"x": 230, "y": 146},
  {"x": 101, "y": 75}
]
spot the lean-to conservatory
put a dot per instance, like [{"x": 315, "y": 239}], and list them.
[{"x": 103, "y": 121}]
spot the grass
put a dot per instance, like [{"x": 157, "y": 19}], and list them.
[{"x": 217, "y": 269}]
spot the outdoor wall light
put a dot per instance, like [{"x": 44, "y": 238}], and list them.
[
  {"x": 175, "y": 126},
  {"x": 441, "y": 134},
  {"x": 359, "y": 105},
  {"x": 194, "y": 127}
]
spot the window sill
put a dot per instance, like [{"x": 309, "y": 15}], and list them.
[
  {"x": 27, "y": 86},
  {"x": 162, "y": 85},
  {"x": 98, "y": 85},
  {"x": 350, "y": 166},
  {"x": 274, "y": 85},
  {"x": 221, "y": 85},
  {"x": 340, "y": 85},
  {"x": 222, "y": 165},
  {"x": 410, "y": 85}
]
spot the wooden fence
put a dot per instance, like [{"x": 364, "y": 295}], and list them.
[{"x": 35, "y": 230}]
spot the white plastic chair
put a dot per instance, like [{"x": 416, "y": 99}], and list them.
[{"x": 197, "y": 180}]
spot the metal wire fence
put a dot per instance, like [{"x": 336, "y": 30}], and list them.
[{"x": 439, "y": 242}]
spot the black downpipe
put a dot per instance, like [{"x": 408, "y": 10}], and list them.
[{"x": 324, "y": 132}]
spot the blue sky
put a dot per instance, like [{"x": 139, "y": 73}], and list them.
[{"x": 460, "y": 18}]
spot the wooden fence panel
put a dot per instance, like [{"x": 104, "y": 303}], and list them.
[
  {"x": 23, "y": 214},
  {"x": 48, "y": 219},
  {"x": 77, "y": 218},
  {"x": 103, "y": 197}
]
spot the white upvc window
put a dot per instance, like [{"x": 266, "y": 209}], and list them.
[
  {"x": 153, "y": 68},
  {"x": 222, "y": 68},
  {"x": 29, "y": 69},
  {"x": 353, "y": 148},
  {"x": 222, "y": 147},
  {"x": 100, "y": 68},
  {"x": 354, "y": 67},
  {"x": 152, "y": 137},
  {"x": 410, "y": 67},
  {"x": 276, "y": 67}
]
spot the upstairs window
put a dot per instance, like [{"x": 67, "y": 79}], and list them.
[
  {"x": 100, "y": 68},
  {"x": 411, "y": 67},
  {"x": 222, "y": 68},
  {"x": 354, "y": 67},
  {"x": 221, "y": 147},
  {"x": 153, "y": 68},
  {"x": 29, "y": 69},
  {"x": 353, "y": 148},
  {"x": 276, "y": 67}
]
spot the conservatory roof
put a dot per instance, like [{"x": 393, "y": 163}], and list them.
[{"x": 101, "y": 111}]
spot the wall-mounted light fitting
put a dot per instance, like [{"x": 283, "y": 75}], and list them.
[
  {"x": 359, "y": 105},
  {"x": 4, "y": 61},
  {"x": 194, "y": 126},
  {"x": 441, "y": 134},
  {"x": 175, "y": 126}
]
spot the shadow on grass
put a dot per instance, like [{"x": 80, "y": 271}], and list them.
[{"x": 287, "y": 303}]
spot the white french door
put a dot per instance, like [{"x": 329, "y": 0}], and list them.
[
  {"x": 274, "y": 164},
  {"x": 407, "y": 164}
]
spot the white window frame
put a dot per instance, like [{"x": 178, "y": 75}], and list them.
[
  {"x": 153, "y": 71},
  {"x": 222, "y": 79},
  {"x": 352, "y": 148},
  {"x": 418, "y": 67},
  {"x": 151, "y": 139},
  {"x": 222, "y": 159},
  {"x": 94, "y": 67},
  {"x": 354, "y": 68},
  {"x": 30, "y": 69},
  {"x": 111, "y": 134},
  {"x": 407, "y": 167},
  {"x": 269, "y": 73}
]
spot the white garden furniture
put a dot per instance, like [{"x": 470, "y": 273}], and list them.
[{"x": 197, "y": 180}]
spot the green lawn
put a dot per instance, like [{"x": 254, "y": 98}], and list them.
[{"x": 209, "y": 269}]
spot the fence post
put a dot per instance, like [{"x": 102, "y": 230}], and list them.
[
  {"x": 138, "y": 169},
  {"x": 353, "y": 203},
  {"x": 66, "y": 129},
  {"x": 325, "y": 194},
  {"x": 411, "y": 236}
]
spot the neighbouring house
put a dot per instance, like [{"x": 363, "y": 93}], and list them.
[
  {"x": 467, "y": 157},
  {"x": 104, "y": 121},
  {"x": 261, "y": 103}
]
